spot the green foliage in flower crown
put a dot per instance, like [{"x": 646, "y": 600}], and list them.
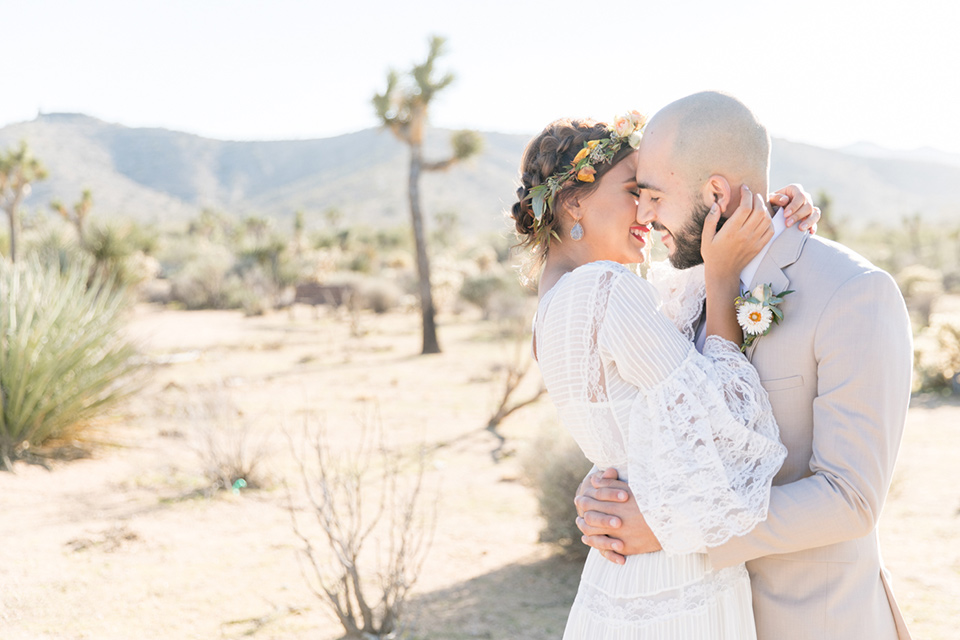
[
  {"x": 63, "y": 357},
  {"x": 626, "y": 129}
]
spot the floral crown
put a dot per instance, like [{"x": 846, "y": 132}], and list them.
[{"x": 626, "y": 128}]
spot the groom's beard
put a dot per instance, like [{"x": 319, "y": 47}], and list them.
[{"x": 686, "y": 242}]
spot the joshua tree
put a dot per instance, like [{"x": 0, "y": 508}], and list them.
[
  {"x": 402, "y": 108},
  {"x": 78, "y": 216},
  {"x": 18, "y": 168}
]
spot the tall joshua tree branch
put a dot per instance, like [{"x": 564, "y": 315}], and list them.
[{"x": 403, "y": 109}]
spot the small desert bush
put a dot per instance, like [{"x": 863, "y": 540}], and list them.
[
  {"x": 231, "y": 453},
  {"x": 376, "y": 294},
  {"x": 479, "y": 289},
  {"x": 63, "y": 358},
  {"x": 921, "y": 287},
  {"x": 204, "y": 278},
  {"x": 555, "y": 466},
  {"x": 937, "y": 356}
]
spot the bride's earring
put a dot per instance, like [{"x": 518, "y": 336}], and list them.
[{"x": 576, "y": 232}]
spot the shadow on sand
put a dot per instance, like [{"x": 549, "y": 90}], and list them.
[{"x": 528, "y": 601}]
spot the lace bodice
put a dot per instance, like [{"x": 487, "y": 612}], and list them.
[
  {"x": 692, "y": 434},
  {"x": 682, "y": 293}
]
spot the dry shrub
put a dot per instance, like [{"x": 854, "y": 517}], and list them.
[
  {"x": 206, "y": 280},
  {"x": 379, "y": 295},
  {"x": 357, "y": 496},
  {"x": 232, "y": 454},
  {"x": 921, "y": 287},
  {"x": 555, "y": 466}
]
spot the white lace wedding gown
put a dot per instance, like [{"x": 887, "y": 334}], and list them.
[{"x": 693, "y": 435}]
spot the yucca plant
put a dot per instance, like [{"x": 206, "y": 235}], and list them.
[{"x": 63, "y": 358}]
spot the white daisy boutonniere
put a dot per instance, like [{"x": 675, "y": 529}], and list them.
[{"x": 758, "y": 311}]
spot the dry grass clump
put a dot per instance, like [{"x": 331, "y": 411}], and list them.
[{"x": 232, "y": 454}]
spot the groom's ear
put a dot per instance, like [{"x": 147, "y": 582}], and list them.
[{"x": 717, "y": 189}]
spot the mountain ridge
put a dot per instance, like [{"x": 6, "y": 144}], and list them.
[{"x": 158, "y": 175}]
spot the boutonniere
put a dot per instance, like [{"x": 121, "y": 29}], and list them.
[{"x": 758, "y": 311}]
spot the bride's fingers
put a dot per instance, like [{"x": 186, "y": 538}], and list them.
[
  {"x": 778, "y": 199},
  {"x": 744, "y": 210},
  {"x": 709, "y": 230},
  {"x": 810, "y": 224},
  {"x": 791, "y": 198},
  {"x": 762, "y": 224}
]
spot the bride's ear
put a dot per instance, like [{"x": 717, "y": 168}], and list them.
[
  {"x": 571, "y": 207},
  {"x": 717, "y": 189}
]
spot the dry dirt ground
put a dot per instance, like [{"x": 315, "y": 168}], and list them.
[{"x": 124, "y": 545}]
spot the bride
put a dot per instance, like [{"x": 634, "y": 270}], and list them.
[{"x": 693, "y": 435}]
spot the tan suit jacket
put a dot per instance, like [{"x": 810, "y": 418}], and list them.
[{"x": 838, "y": 371}]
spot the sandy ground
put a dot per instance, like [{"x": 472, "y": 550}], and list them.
[{"x": 122, "y": 545}]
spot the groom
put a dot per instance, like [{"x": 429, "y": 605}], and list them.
[{"x": 838, "y": 372}]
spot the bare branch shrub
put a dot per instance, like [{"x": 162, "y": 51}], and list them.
[
  {"x": 512, "y": 373},
  {"x": 368, "y": 505}
]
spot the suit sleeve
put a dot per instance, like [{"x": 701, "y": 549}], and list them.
[{"x": 864, "y": 353}]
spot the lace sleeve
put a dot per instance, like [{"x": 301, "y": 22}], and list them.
[{"x": 701, "y": 441}]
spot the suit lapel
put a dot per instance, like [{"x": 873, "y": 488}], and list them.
[{"x": 784, "y": 251}]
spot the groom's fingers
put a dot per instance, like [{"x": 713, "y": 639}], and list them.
[
  {"x": 597, "y": 522},
  {"x": 614, "y": 557},
  {"x": 606, "y": 546},
  {"x": 594, "y": 499},
  {"x": 609, "y": 483},
  {"x": 586, "y": 504}
]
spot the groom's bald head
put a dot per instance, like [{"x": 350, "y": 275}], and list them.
[{"x": 714, "y": 134}]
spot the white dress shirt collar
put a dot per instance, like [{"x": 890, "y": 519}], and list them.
[{"x": 749, "y": 271}]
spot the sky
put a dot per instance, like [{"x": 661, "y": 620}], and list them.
[{"x": 823, "y": 72}]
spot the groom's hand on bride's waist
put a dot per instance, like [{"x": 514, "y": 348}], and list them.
[{"x": 610, "y": 520}]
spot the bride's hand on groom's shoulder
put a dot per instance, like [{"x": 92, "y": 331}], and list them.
[
  {"x": 797, "y": 206},
  {"x": 610, "y": 520}
]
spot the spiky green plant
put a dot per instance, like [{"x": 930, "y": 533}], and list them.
[{"x": 63, "y": 358}]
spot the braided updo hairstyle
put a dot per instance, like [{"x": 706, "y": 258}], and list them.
[{"x": 551, "y": 151}]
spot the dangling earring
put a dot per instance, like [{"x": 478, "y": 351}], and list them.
[{"x": 576, "y": 232}]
